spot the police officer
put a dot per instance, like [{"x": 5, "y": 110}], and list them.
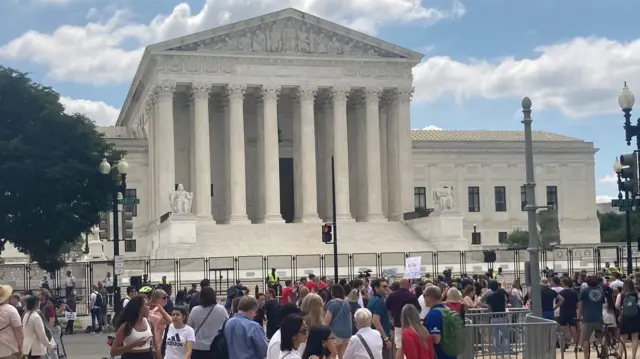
[{"x": 273, "y": 281}]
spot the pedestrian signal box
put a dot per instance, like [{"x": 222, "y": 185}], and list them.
[{"x": 327, "y": 233}]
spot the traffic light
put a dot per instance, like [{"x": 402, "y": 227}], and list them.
[
  {"x": 127, "y": 224},
  {"x": 327, "y": 236},
  {"x": 629, "y": 173},
  {"x": 105, "y": 226}
]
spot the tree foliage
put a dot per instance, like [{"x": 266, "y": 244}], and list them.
[
  {"x": 518, "y": 239},
  {"x": 52, "y": 189},
  {"x": 613, "y": 227}
]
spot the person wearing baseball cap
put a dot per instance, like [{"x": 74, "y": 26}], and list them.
[{"x": 11, "y": 334}]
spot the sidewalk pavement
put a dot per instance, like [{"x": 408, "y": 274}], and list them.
[{"x": 86, "y": 346}]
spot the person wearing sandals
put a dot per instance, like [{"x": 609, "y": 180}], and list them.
[{"x": 134, "y": 337}]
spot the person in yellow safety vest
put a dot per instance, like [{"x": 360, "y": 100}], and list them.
[
  {"x": 273, "y": 281},
  {"x": 165, "y": 284}
]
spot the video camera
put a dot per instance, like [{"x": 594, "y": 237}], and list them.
[{"x": 364, "y": 274}]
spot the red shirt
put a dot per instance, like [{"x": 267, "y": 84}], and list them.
[
  {"x": 414, "y": 348},
  {"x": 287, "y": 295},
  {"x": 312, "y": 286},
  {"x": 322, "y": 285},
  {"x": 455, "y": 306}
]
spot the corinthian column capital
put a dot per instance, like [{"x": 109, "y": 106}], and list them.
[
  {"x": 340, "y": 94},
  {"x": 307, "y": 93},
  {"x": 270, "y": 92},
  {"x": 236, "y": 92},
  {"x": 372, "y": 94},
  {"x": 164, "y": 91},
  {"x": 200, "y": 91}
]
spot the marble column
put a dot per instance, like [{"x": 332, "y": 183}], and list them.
[
  {"x": 360, "y": 163},
  {"x": 269, "y": 152},
  {"x": 236, "y": 154},
  {"x": 327, "y": 139},
  {"x": 149, "y": 112},
  {"x": 372, "y": 153},
  {"x": 202, "y": 157},
  {"x": 341, "y": 152},
  {"x": 406, "y": 163},
  {"x": 305, "y": 184},
  {"x": 166, "y": 146},
  {"x": 383, "y": 152},
  {"x": 393, "y": 160}
]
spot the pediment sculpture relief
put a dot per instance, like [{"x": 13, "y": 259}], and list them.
[{"x": 288, "y": 36}]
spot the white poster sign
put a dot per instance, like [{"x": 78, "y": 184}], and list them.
[{"x": 412, "y": 268}]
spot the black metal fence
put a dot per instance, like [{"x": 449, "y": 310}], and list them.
[{"x": 252, "y": 270}]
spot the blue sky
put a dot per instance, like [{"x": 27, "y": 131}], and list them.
[{"x": 571, "y": 57}]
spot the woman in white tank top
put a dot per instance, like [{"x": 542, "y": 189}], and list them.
[{"x": 134, "y": 338}]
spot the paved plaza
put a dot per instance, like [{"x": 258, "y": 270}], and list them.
[{"x": 86, "y": 346}]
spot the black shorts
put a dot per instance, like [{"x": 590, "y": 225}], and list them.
[{"x": 567, "y": 322}]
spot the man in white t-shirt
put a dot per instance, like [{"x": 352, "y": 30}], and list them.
[
  {"x": 616, "y": 283},
  {"x": 69, "y": 283}
]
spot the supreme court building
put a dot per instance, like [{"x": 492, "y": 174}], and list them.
[{"x": 248, "y": 116}]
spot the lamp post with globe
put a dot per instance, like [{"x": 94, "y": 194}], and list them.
[
  {"x": 626, "y": 100},
  {"x": 118, "y": 188}
]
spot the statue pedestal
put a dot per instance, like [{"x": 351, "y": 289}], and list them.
[
  {"x": 443, "y": 230},
  {"x": 176, "y": 233},
  {"x": 96, "y": 250}
]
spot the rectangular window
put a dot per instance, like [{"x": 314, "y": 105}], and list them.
[
  {"x": 552, "y": 196},
  {"x": 420, "y": 197},
  {"x": 476, "y": 238},
  {"x": 500, "y": 193},
  {"x": 474, "y": 199},
  {"x": 133, "y": 209},
  {"x": 130, "y": 245},
  {"x": 523, "y": 197},
  {"x": 502, "y": 237}
]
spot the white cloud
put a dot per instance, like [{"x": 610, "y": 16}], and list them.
[
  {"x": 432, "y": 128},
  {"x": 610, "y": 178},
  {"x": 604, "y": 199},
  {"x": 54, "y": 2},
  {"x": 557, "y": 77},
  {"x": 560, "y": 77},
  {"x": 101, "y": 113},
  {"x": 96, "y": 53}
]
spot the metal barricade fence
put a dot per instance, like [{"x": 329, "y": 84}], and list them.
[{"x": 503, "y": 335}]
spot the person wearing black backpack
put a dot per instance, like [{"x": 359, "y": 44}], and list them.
[
  {"x": 206, "y": 319},
  {"x": 96, "y": 304},
  {"x": 627, "y": 304}
]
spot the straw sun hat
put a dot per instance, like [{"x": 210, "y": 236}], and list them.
[{"x": 5, "y": 292}]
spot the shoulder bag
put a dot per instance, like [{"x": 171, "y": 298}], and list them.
[{"x": 366, "y": 346}]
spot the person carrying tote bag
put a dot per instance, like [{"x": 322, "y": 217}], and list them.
[{"x": 36, "y": 344}]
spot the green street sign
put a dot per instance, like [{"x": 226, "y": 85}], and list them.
[
  {"x": 625, "y": 204},
  {"x": 129, "y": 201}
]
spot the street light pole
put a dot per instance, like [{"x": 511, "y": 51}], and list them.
[
  {"x": 626, "y": 100},
  {"x": 121, "y": 168},
  {"x": 531, "y": 209},
  {"x": 335, "y": 224}
]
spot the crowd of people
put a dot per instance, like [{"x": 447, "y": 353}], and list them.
[
  {"x": 315, "y": 318},
  {"x": 29, "y": 325},
  {"x": 311, "y": 319}
]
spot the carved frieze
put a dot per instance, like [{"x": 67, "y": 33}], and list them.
[
  {"x": 288, "y": 36},
  {"x": 259, "y": 66}
]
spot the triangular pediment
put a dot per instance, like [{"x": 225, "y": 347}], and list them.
[{"x": 288, "y": 32}]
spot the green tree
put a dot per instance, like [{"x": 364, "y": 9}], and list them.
[
  {"x": 518, "y": 239},
  {"x": 52, "y": 189},
  {"x": 613, "y": 227}
]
